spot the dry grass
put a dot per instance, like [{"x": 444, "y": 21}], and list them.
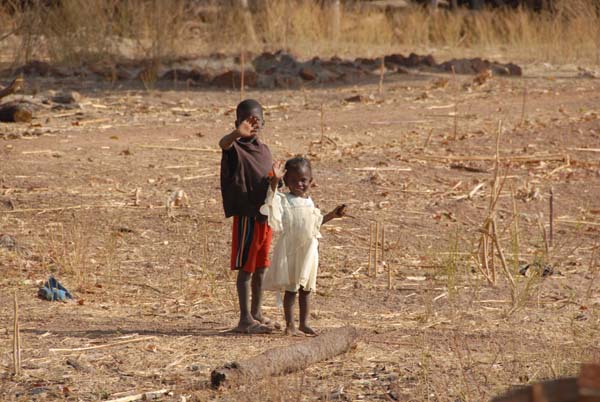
[
  {"x": 440, "y": 334},
  {"x": 87, "y": 31}
]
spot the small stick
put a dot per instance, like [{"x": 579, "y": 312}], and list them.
[
  {"x": 376, "y": 248},
  {"x": 370, "y": 248},
  {"x": 501, "y": 255},
  {"x": 551, "y": 217},
  {"x": 322, "y": 124},
  {"x": 242, "y": 72},
  {"x": 524, "y": 103},
  {"x": 206, "y": 259},
  {"x": 544, "y": 235},
  {"x": 484, "y": 256},
  {"x": 16, "y": 340},
  {"x": 109, "y": 345},
  {"x": 215, "y": 150},
  {"x": 455, "y": 104},
  {"x": 428, "y": 139},
  {"x": 516, "y": 223},
  {"x": 382, "y": 242},
  {"x": 381, "y": 74},
  {"x": 492, "y": 260},
  {"x": 146, "y": 396},
  {"x": 138, "y": 191}
]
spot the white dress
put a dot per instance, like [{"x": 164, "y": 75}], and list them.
[{"x": 296, "y": 256}]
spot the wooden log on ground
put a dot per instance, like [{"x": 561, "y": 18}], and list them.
[
  {"x": 15, "y": 113},
  {"x": 12, "y": 88},
  {"x": 286, "y": 359}
]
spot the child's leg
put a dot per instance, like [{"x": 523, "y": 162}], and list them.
[
  {"x": 243, "y": 291},
  {"x": 258, "y": 257},
  {"x": 304, "y": 301},
  {"x": 256, "y": 308},
  {"x": 289, "y": 299}
]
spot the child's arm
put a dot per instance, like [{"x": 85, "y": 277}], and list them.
[
  {"x": 247, "y": 128},
  {"x": 337, "y": 212},
  {"x": 276, "y": 174}
]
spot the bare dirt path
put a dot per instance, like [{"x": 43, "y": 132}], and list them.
[{"x": 68, "y": 186}]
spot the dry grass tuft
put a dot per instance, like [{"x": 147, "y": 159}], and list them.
[{"x": 79, "y": 31}]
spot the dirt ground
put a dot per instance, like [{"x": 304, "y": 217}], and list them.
[{"x": 411, "y": 158}]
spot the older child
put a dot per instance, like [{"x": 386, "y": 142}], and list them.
[
  {"x": 296, "y": 255},
  {"x": 245, "y": 166}
]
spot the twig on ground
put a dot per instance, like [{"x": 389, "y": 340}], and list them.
[
  {"x": 109, "y": 345},
  {"x": 146, "y": 396},
  {"x": 215, "y": 150},
  {"x": 551, "y": 217},
  {"x": 16, "y": 339},
  {"x": 524, "y": 104}
]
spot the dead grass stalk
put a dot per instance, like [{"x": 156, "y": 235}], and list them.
[{"x": 77, "y": 31}]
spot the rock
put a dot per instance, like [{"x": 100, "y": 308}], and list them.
[
  {"x": 8, "y": 242},
  {"x": 231, "y": 79},
  {"x": 307, "y": 74},
  {"x": 178, "y": 74},
  {"x": 35, "y": 67},
  {"x": 287, "y": 81},
  {"x": 478, "y": 65},
  {"x": 269, "y": 63},
  {"x": 536, "y": 268},
  {"x": 355, "y": 99},
  {"x": 66, "y": 97},
  {"x": 412, "y": 61}
]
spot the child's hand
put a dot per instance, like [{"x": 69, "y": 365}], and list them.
[
  {"x": 278, "y": 170},
  {"x": 249, "y": 127},
  {"x": 340, "y": 211}
]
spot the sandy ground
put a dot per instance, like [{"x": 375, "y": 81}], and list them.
[{"x": 408, "y": 158}]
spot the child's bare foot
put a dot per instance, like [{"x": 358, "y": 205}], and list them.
[
  {"x": 267, "y": 321},
  {"x": 307, "y": 330},
  {"x": 293, "y": 331},
  {"x": 255, "y": 328},
  {"x": 252, "y": 327}
]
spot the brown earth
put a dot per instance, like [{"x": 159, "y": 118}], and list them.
[{"x": 67, "y": 196}]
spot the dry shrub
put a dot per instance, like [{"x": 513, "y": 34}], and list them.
[{"x": 80, "y": 30}]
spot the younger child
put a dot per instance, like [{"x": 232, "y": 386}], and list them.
[
  {"x": 245, "y": 165},
  {"x": 296, "y": 257}
]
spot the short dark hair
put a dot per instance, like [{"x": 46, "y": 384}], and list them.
[
  {"x": 298, "y": 162},
  {"x": 247, "y": 108}
]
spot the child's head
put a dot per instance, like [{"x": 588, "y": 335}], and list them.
[
  {"x": 249, "y": 108},
  {"x": 298, "y": 176}
]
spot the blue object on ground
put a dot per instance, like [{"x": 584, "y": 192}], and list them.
[{"x": 53, "y": 290}]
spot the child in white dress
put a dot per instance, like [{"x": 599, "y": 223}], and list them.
[{"x": 295, "y": 259}]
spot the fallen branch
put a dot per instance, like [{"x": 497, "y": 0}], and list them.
[
  {"x": 16, "y": 340},
  {"x": 109, "y": 345},
  {"x": 585, "y": 149},
  {"x": 15, "y": 113},
  {"x": 71, "y": 207},
  {"x": 286, "y": 359},
  {"x": 383, "y": 169},
  {"x": 514, "y": 158},
  {"x": 146, "y": 396},
  {"x": 180, "y": 148},
  {"x": 584, "y": 223}
]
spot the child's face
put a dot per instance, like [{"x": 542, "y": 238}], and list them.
[
  {"x": 254, "y": 118},
  {"x": 298, "y": 181}
]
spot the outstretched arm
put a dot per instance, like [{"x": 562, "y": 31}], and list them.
[
  {"x": 247, "y": 128},
  {"x": 276, "y": 174},
  {"x": 337, "y": 212}
]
